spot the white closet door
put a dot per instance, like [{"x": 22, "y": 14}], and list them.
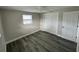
[
  {"x": 50, "y": 22},
  {"x": 69, "y": 25},
  {"x": 2, "y": 43}
]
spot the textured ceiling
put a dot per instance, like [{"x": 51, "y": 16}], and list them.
[{"x": 37, "y": 9}]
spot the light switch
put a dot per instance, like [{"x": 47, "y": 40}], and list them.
[{"x": 0, "y": 35}]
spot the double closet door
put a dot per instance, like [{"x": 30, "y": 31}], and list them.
[
  {"x": 69, "y": 25},
  {"x": 50, "y": 22}
]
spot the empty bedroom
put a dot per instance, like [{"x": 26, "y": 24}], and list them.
[{"x": 39, "y": 29}]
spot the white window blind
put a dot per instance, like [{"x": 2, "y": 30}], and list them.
[{"x": 27, "y": 19}]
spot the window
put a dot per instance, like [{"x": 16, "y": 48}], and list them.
[{"x": 27, "y": 19}]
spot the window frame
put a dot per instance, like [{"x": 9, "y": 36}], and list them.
[{"x": 27, "y": 21}]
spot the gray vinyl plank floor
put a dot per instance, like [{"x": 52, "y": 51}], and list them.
[{"x": 42, "y": 41}]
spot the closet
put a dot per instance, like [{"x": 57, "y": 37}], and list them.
[
  {"x": 2, "y": 41},
  {"x": 49, "y": 22},
  {"x": 69, "y": 25}
]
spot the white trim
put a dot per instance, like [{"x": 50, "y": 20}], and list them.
[
  {"x": 77, "y": 49},
  {"x": 21, "y": 37}
]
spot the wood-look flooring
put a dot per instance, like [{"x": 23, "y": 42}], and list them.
[{"x": 41, "y": 42}]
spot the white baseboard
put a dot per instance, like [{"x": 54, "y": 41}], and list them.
[{"x": 21, "y": 37}]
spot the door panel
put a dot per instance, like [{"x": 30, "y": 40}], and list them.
[
  {"x": 69, "y": 25},
  {"x": 50, "y": 22},
  {"x": 2, "y": 41}
]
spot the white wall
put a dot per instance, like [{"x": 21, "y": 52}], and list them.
[
  {"x": 2, "y": 40},
  {"x": 60, "y": 19},
  {"x": 13, "y": 24},
  {"x": 49, "y": 22}
]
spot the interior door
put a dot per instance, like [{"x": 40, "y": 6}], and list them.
[
  {"x": 2, "y": 41},
  {"x": 51, "y": 22},
  {"x": 69, "y": 25}
]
